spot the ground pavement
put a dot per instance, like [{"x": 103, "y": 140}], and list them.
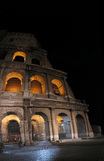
[{"x": 85, "y": 150}]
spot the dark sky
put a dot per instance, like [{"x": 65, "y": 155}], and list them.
[{"x": 73, "y": 36}]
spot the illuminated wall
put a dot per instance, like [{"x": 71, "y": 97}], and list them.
[
  {"x": 60, "y": 87},
  {"x": 36, "y": 87},
  {"x": 4, "y": 125},
  {"x": 39, "y": 127},
  {"x": 37, "y": 84},
  {"x": 59, "y": 120},
  {"x": 13, "y": 85},
  {"x": 19, "y": 53},
  {"x": 13, "y": 82}
]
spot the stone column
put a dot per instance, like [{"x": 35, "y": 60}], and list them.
[
  {"x": 49, "y": 86},
  {"x": 66, "y": 89},
  {"x": 1, "y": 142},
  {"x": 27, "y": 121},
  {"x": 74, "y": 125},
  {"x": 2, "y": 80},
  {"x": 0, "y": 133},
  {"x": 30, "y": 125},
  {"x": 54, "y": 126},
  {"x": 26, "y": 85},
  {"x": 50, "y": 128},
  {"x": 27, "y": 140},
  {"x": 22, "y": 132},
  {"x": 51, "y": 125},
  {"x": 89, "y": 128}
]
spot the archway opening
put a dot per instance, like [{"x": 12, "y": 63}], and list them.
[
  {"x": 37, "y": 84},
  {"x": 19, "y": 56},
  {"x": 10, "y": 129},
  {"x": 19, "y": 59},
  {"x": 57, "y": 87},
  {"x": 13, "y": 131},
  {"x": 13, "y": 82},
  {"x": 13, "y": 85},
  {"x": 35, "y": 61},
  {"x": 81, "y": 126},
  {"x": 36, "y": 87},
  {"x": 64, "y": 126},
  {"x": 40, "y": 127},
  {"x": 13, "y": 127}
]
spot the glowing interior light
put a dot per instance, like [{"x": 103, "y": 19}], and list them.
[
  {"x": 8, "y": 118},
  {"x": 59, "y": 86},
  {"x": 59, "y": 118},
  {"x": 4, "y": 125},
  {"x": 38, "y": 123},
  {"x": 37, "y": 84},
  {"x": 13, "y": 82},
  {"x": 19, "y": 53}
]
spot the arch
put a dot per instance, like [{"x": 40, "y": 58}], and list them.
[
  {"x": 35, "y": 61},
  {"x": 5, "y": 128},
  {"x": 37, "y": 84},
  {"x": 40, "y": 127},
  {"x": 18, "y": 114},
  {"x": 13, "y": 82},
  {"x": 36, "y": 87},
  {"x": 64, "y": 126},
  {"x": 57, "y": 87},
  {"x": 81, "y": 126},
  {"x": 13, "y": 85},
  {"x": 35, "y": 131},
  {"x": 19, "y": 56}
]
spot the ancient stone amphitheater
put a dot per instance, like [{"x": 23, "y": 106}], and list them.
[{"x": 36, "y": 102}]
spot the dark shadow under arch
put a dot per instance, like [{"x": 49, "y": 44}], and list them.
[
  {"x": 13, "y": 128},
  {"x": 35, "y": 61},
  {"x": 81, "y": 126},
  {"x": 19, "y": 59},
  {"x": 64, "y": 126}
]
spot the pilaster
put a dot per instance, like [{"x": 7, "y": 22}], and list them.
[
  {"x": 89, "y": 128},
  {"x": 74, "y": 125},
  {"x": 54, "y": 126}
]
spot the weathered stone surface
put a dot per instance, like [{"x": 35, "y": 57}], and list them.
[{"x": 42, "y": 113}]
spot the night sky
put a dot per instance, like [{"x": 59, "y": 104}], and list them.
[{"x": 73, "y": 36}]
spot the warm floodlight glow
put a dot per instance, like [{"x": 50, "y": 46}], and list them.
[
  {"x": 19, "y": 53},
  {"x": 59, "y": 86},
  {"x": 37, "y": 84},
  {"x": 38, "y": 118},
  {"x": 36, "y": 87},
  {"x": 9, "y": 118},
  {"x": 4, "y": 125},
  {"x": 13, "y": 82},
  {"x": 38, "y": 127},
  {"x": 59, "y": 118}
]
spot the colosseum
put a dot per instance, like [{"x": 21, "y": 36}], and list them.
[{"x": 36, "y": 102}]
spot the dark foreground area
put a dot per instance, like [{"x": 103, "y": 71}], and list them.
[{"x": 85, "y": 150}]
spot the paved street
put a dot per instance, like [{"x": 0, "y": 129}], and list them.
[{"x": 87, "y": 150}]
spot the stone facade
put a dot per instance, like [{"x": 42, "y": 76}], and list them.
[{"x": 36, "y": 102}]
